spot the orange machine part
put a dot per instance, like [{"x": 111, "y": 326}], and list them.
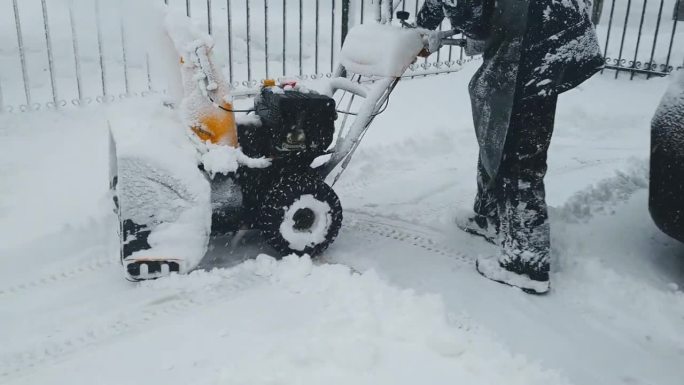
[{"x": 218, "y": 126}]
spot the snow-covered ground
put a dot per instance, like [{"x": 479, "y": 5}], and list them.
[{"x": 395, "y": 300}]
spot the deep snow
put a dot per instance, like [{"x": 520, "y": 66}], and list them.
[{"x": 412, "y": 310}]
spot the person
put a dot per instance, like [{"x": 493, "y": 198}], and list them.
[{"x": 533, "y": 51}]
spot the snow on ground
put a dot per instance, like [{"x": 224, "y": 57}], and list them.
[{"x": 410, "y": 307}]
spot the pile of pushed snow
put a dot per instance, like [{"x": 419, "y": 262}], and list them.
[{"x": 311, "y": 324}]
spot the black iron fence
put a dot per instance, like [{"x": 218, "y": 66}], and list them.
[
  {"x": 74, "y": 52},
  {"x": 642, "y": 36}
]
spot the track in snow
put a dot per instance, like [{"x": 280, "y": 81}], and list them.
[{"x": 164, "y": 307}]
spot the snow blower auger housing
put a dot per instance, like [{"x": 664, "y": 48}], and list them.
[{"x": 182, "y": 178}]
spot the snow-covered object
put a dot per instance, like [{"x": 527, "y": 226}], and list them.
[
  {"x": 347, "y": 142},
  {"x": 670, "y": 112},
  {"x": 160, "y": 187},
  {"x": 220, "y": 159},
  {"x": 330, "y": 86},
  {"x": 301, "y": 239},
  {"x": 203, "y": 84},
  {"x": 380, "y": 50}
]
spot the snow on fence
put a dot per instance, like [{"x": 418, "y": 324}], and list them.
[{"x": 73, "y": 52}]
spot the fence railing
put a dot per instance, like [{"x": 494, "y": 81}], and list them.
[
  {"x": 73, "y": 52},
  {"x": 642, "y": 36}
]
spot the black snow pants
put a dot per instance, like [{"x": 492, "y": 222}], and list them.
[{"x": 514, "y": 200}]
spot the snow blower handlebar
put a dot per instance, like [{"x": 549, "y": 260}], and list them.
[
  {"x": 441, "y": 38},
  {"x": 434, "y": 40},
  {"x": 370, "y": 75}
]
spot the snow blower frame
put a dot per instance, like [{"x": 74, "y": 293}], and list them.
[{"x": 290, "y": 202}]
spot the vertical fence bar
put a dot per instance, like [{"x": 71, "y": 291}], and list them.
[
  {"x": 439, "y": 50},
  {"x": 103, "y": 69},
  {"x": 624, "y": 33},
  {"x": 301, "y": 21},
  {"x": 51, "y": 62},
  {"x": 672, "y": 38},
  {"x": 209, "y": 25},
  {"x": 610, "y": 27},
  {"x": 332, "y": 38},
  {"x": 378, "y": 10},
  {"x": 345, "y": 20},
  {"x": 317, "y": 33},
  {"x": 230, "y": 42},
  {"x": 425, "y": 60},
  {"x": 74, "y": 44},
  {"x": 655, "y": 39},
  {"x": 22, "y": 56},
  {"x": 636, "y": 49},
  {"x": 389, "y": 4},
  {"x": 266, "y": 36},
  {"x": 187, "y": 8},
  {"x": 284, "y": 37},
  {"x": 2, "y": 102},
  {"x": 249, "y": 51},
  {"x": 450, "y": 51},
  {"x": 149, "y": 73},
  {"x": 124, "y": 58},
  {"x": 363, "y": 6}
]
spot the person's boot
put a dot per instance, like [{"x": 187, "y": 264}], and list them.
[
  {"x": 526, "y": 270},
  {"x": 478, "y": 225}
]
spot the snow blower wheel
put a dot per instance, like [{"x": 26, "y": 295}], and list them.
[{"x": 301, "y": 215}]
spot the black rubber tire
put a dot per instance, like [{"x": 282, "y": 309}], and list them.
[{"x": 287, "y": 189}]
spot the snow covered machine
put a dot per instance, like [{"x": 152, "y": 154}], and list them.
[{"x": 198, "y": 170}]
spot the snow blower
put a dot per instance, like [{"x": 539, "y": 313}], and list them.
[{"x": 197, "y": 171}]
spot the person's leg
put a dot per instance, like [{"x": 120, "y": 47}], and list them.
[
  {"x": 485, "y": 200},
  {"x": 485, "y": 221},
  {"x": 522, "y": 211},
  {"x": 526, "y": 239}
]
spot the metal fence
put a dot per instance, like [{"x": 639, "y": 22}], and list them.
[
  {"x": 642, "y": 36},
  {"x": 75, "y": 52}
]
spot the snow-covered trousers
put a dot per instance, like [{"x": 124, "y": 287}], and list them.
[{"x": 514, "y": 199}]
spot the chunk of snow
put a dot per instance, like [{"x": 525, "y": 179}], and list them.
[
  {"x": 221, "y": 159},
  {"x": 248, "y": 120}
]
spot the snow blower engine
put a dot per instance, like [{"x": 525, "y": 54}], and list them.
[
  {"x": 296, "y": 126},
  {"x": 292, "y": 130}
]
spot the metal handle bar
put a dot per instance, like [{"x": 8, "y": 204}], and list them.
[{"x": 454, "y": 42}]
